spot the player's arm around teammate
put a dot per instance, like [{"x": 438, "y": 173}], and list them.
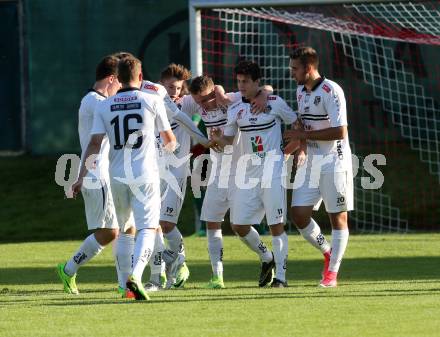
[
  {"x": 260, "y": 140},
  {"x": 328, "y": 175}
]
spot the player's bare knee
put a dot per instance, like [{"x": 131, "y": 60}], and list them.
[
  {"x": 130, "y": 231},
  {"x": 241, "y": 230},
  {"x": 167, "y": 226},
  {"x": 300, "y": 220},
  {"x": 213, "y": 225},
  {"x": 277, "y": 229},
  {"x": 104, "y": 236},
  {"x": 339, "y": 220}
]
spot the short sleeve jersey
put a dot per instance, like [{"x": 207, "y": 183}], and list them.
[
  {"x": 132, "y": 111},
  {"x": 321, "y": 108},
  {"x": 260, "y": 134},
  {"x": 85, "y": 123},
  {"x": 182, "y": 137}
]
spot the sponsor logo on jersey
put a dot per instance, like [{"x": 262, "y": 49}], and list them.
[
  {"x": 257, "y": 144},
  {"x": 317, "y": 100},
  {"x": 326, "y": 88},
  {"x": 253, "y": 120},
  {"x": 306, "y": 109},
  {"x": 151, "y": 87},
  {"x": 127, "y": 106},
  {"x": 125, "y": 99}
]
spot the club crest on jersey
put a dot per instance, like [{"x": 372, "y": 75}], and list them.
[
  {"x": 317, "y": 100},
  {"x": 299, "y": 97},
  {"x": 240, "y": 114},
  {"x": 326, "y": 88},
  {"x": 257, "y": 144},
  {"x": 268, "y": 109}
]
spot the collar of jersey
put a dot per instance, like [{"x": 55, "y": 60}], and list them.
[
  {"x": 245, "y": 100},
  {"x": 128, "y": 89},
  {"x": 100, "y": 94},
  {"x": 316, "y": 85}
]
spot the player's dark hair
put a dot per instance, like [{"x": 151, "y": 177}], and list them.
[
  {"x": 122, "y": 54},
  {"x": 200, "y": 83},
  {"x": 248, "y": 68},
  {"x": 306, "y": 55},
  {"x": 106, "y": 67},
  {"x": 128, "y": 69},
  {"x": 177, "y": 71}
]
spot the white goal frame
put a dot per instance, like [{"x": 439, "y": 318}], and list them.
[{"x": 195, "y": 27}]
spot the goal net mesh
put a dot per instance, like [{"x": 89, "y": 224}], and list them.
[{"x": 386, "y": 58}]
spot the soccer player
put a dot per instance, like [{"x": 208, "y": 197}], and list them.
[
  {"x": 172, "y": 81},
  {"x": 261, "y": 161},
  {"x": 129, "y": 120},
  {"x": 205, "y": 100},
  {"x": 211, "y": 103},
  {"x": 328, "y": 173},
  {"x": 98, "y": 201}
]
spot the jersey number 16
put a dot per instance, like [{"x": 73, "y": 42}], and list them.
[{"x": 126, "y": 130}]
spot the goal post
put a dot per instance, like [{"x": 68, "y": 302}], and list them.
[{"x": 385, "y": 56}]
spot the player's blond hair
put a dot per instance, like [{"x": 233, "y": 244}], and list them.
[{"x": 128, "y": 69}]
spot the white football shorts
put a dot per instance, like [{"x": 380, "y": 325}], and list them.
[
  {"x": 143, "y": 201},
  {"x": 250, "y": 205},
  {"x": 171, "y": 204},
  {"x": 335, "y": 189},
  {"x": 98, "y": 204},
  {"x": 217, "y": 201}
]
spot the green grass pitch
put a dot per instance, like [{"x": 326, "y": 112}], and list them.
[{"x": 389, "y": 286}]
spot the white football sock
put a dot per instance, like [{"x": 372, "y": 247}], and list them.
[
  {"x": 215, "y": 249},
  {"x": 175, "y": 241},
  {"x": 339, "y": 244},
  {"x": 312, "y": 233},
  {"x": 253, "y": 241},
  {"x": 280, "y": 250},
  {"x": 157, "y": 265},
  {"x": 124, "y": 257},
  {"x": 143, "y": 249},
  {"x": 88, "y": 250}
]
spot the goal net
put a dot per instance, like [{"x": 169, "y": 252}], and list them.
[{"x": 385, "y": 55}]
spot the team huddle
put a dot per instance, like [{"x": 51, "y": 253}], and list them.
[{"x": 136, "y": 135}]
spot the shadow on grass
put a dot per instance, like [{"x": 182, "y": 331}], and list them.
[{"x": 360, "y": 270}]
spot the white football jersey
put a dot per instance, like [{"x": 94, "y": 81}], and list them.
[
  {"x": 182, "y": 137},
  {"x": 213, "y": 118},
  {"x": 85, "y": 123},
  {"x": 322, "y": 108},
  {"x": 260, "y": 134},
  {"x": 132, "y": 110}
]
